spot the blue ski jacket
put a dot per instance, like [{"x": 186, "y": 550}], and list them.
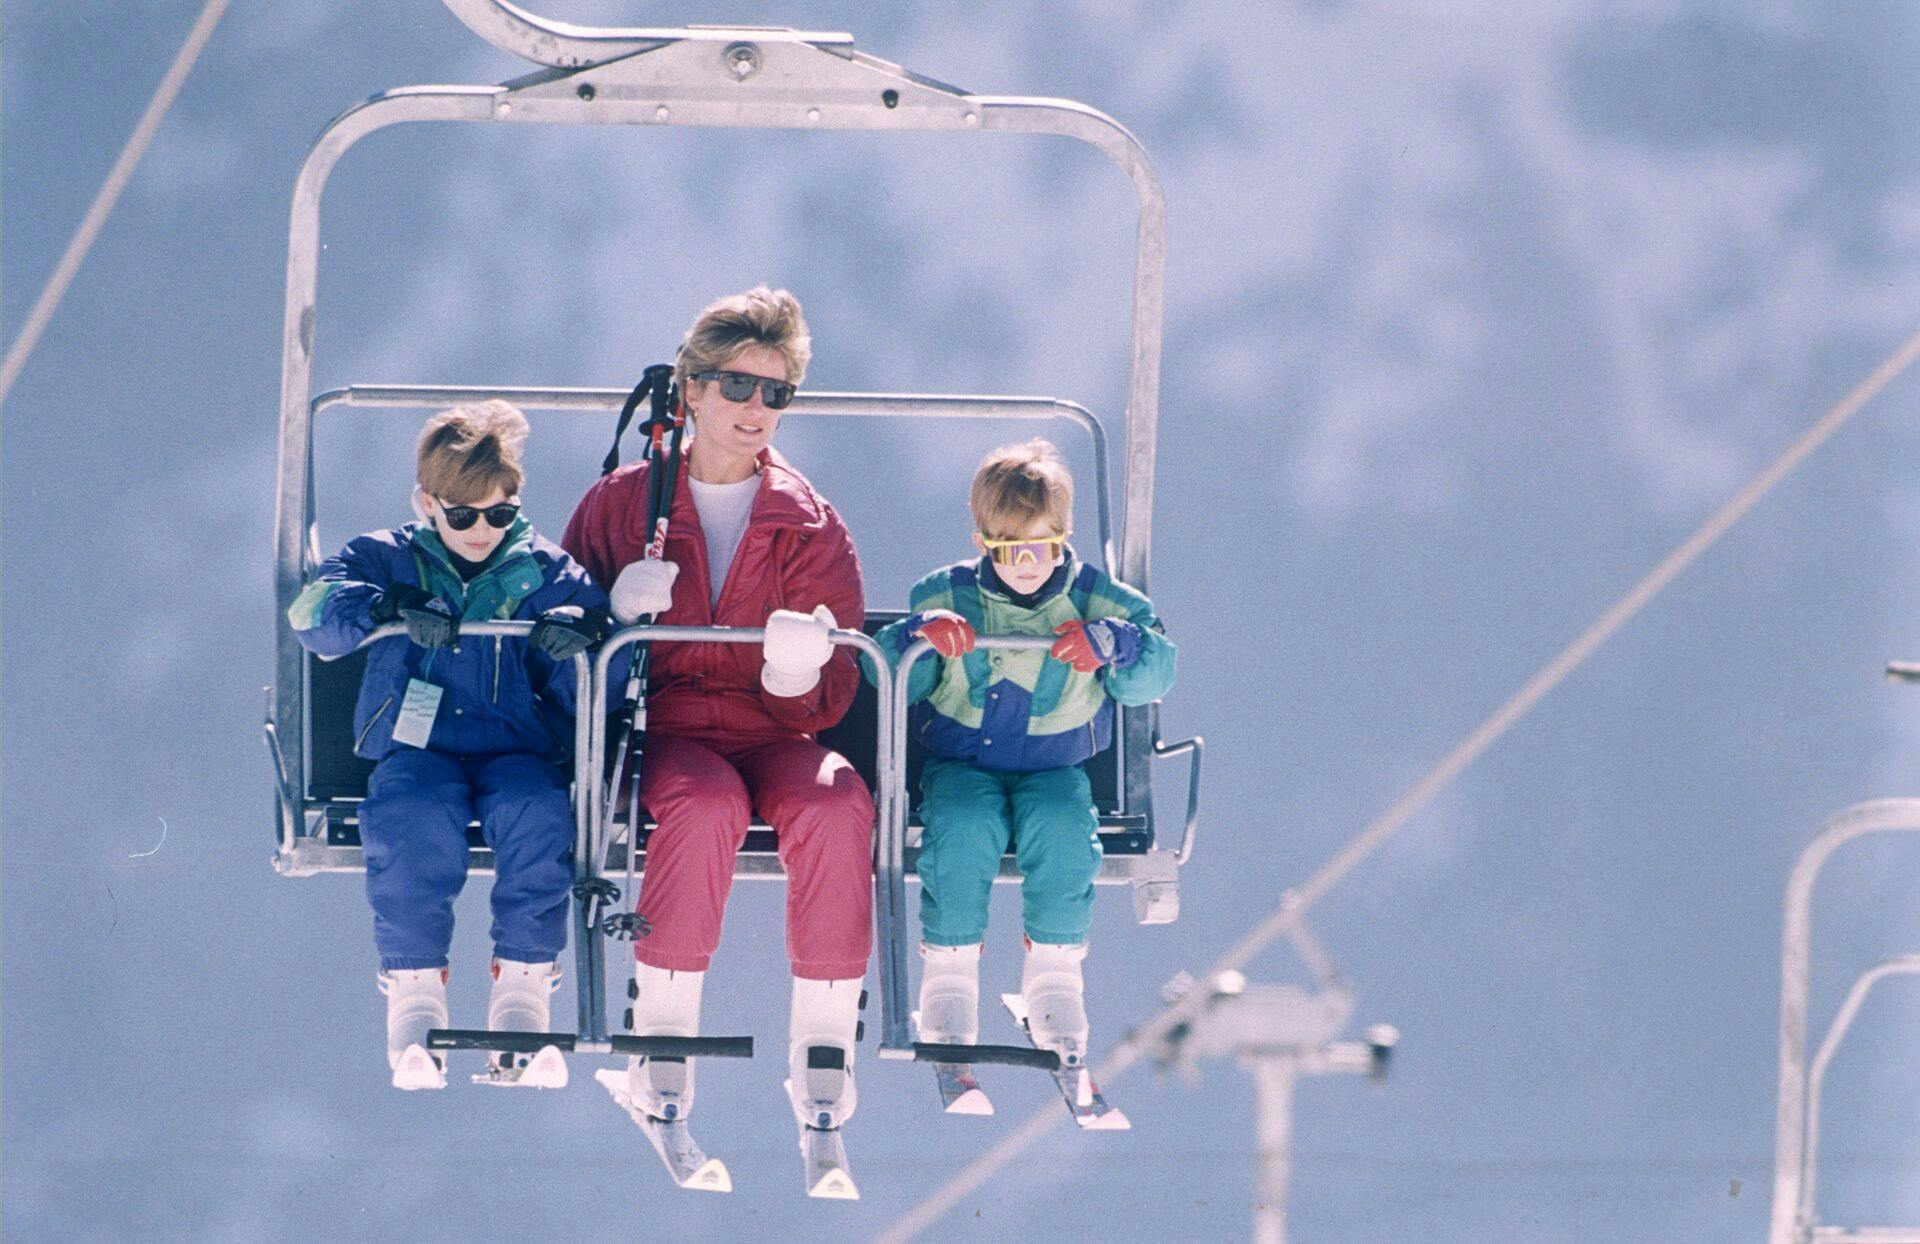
[{"x": 499, "y": 694}]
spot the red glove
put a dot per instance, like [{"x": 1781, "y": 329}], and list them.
[
  {"x": 1084, "y": 647},
  {"x": 949, "y": 633}
]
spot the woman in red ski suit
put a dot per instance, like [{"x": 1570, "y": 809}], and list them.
[{"x": 730, "y": 727}]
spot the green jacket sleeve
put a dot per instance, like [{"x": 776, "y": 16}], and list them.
[
  {"x": 935, "y": 591},
  {"x": 1150, "y": 677}
]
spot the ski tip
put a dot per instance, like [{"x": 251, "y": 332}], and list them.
[
  {"x": 1106, "y": 1121},
  {"x": 973, "y": 1101},
  {"x": 418, "y": 1069},
  {"x": 614, "y": 1082},
  {"x": 547, "y": 1070},
  {"x": 835, "y": 1185},
  {"x": 712, "y": 1176}
]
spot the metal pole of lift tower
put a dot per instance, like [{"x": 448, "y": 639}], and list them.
[{"x": 1278, "y": 1033}]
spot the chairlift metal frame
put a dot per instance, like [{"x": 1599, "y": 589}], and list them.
[
  {"x": 714, "y": 77},
  {"x": 1797, "y": 1119}
]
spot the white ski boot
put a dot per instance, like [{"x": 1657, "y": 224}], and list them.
[
  {"x": 950, "y": 994},
  {"x": 1055, "y": 998},
  {"x": 416, "y": 1002},
  {"x": 665, "y": 1004},
  {"x": 825, "y": 1025},
  {"x": 949, "y": 1014},
  {"x": 519, "y": 1003}
]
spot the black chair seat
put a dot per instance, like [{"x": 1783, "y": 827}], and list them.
[{"x": 337, "y": 779}]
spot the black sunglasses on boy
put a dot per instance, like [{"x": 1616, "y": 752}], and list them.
[{"x": 461, "y": 517}]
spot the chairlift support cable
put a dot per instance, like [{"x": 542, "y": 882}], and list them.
[
  {"x": 1295, "y": 903},
  {"x": 108, "y": 195}
]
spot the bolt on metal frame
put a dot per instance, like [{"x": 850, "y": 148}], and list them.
[{"x": 1797, "y": 1122}]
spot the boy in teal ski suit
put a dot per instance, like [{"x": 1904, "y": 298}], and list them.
[{"x": 1008, "y": 732}]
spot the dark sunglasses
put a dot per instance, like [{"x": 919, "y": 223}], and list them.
[
  {"x": 738, "y": 386},
  {"x": 461, "y": 517}
]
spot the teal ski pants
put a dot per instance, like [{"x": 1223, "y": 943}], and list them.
[{"x": 972, "y": 815}]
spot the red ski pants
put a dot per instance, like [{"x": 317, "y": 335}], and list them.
[{"x": 701, "y": 791}]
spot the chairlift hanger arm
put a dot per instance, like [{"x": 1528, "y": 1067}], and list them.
[
  {"x": 563, "y": 45},
  {"x": 700, "y": 77}
]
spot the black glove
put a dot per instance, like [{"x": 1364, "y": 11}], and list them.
[
  {"x": 569, "y": 630},
  {"x": 429, "y": 622}
]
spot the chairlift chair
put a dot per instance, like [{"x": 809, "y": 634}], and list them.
[{"x": 755, "y": 77}]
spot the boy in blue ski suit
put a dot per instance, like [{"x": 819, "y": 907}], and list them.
[
  {"x": 462, "y": 729},
  {"x": 1008, "y": 732}
]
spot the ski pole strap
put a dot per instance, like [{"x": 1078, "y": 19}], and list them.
[{"x": 657, "y": 382}]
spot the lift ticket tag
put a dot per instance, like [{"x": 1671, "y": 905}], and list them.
[{"x": 417, "y": 712}]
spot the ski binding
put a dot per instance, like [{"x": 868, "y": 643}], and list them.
[
  {"x": 689, "y": 1167},
  {"x": 1084, "y": 1102},
  {"x": 824, "y": 1151}
]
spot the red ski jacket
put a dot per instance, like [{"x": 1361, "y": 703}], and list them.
[{"x": 795, "y": 554}]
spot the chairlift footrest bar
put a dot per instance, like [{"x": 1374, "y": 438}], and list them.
[
  {"x": 986, "y": 1055},
  {"x": 683, "y": 1047},
  {"x": 487, "y": 1039},
  {"x": 534, "y": 1042}
]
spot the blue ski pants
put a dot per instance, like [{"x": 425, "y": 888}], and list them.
[
  {"x": 972, "y": 815},
  {"x": 413, "y": 832}
]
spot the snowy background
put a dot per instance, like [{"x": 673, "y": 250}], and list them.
[{"x": 1473, "y": 312}]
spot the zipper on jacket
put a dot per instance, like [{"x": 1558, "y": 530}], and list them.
[
  {"x": 497, "y": 641},
  {"x": 367, "y": 729}
]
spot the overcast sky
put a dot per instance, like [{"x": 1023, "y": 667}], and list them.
[{"x": 1474, "y": 311}]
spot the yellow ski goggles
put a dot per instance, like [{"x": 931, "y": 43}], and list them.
[{"x": 1025, "y": 552}]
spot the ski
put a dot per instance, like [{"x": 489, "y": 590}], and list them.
[
  {"x": 685, "y": 1162},
  {"x": 546, "y": 1069},
  {"x": 418, "y": 1069},
  {"x": 1084, "y": 1102},
  {"x": 824, "y": 1152},
  {"x": 960, "y": 1091}
]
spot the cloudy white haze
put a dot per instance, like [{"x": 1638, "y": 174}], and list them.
[{"x": 1473, "y": 311}]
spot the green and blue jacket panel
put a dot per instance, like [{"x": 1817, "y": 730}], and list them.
[{"x": 1023, "y": 711}]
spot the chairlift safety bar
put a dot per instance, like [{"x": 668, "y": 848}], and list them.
[{"x": 889, "y": 782}]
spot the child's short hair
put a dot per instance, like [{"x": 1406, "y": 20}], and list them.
[
  {"x": 1017, "y": 484},
  {"x": 466, "y": 452},
  {"x": 759, "y": 317}
]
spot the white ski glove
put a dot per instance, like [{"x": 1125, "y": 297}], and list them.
[
  {"x": 796, "y": 647},
  {"x": 644, "y": 588}
]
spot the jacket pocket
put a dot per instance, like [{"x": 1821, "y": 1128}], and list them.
[{"x": 372, "y": 721}]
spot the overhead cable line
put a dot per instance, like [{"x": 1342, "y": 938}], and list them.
[
  {"x": 117, "y": 177},
  {"x": 1295, "y": 903}
]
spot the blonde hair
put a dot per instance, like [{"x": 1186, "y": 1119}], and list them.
[
  {"x": 466, "y": 452},
  {"x": 759, "y": 317},
  {"x": 1017, "y": 484}
]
